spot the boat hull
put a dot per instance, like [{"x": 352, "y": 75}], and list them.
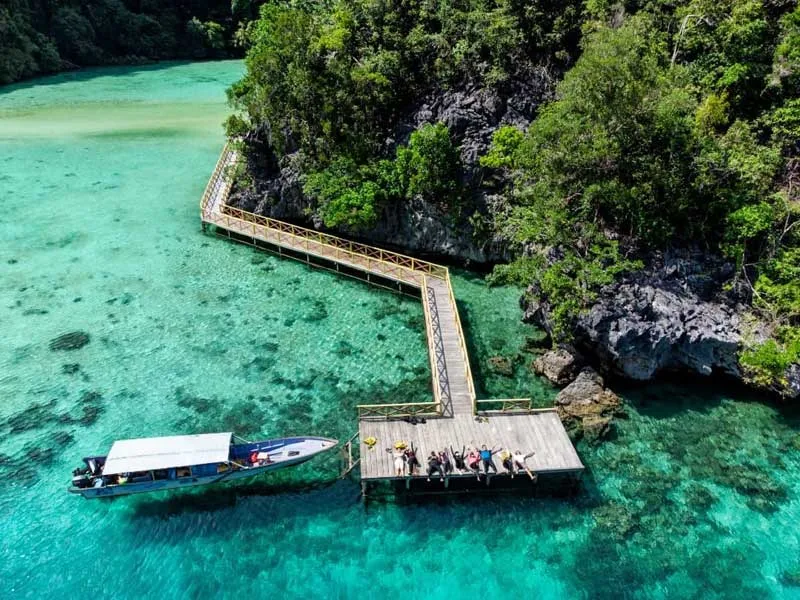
[{"x": 112, "y": 491}]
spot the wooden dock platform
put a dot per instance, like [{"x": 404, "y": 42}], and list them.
[
  {"x": 540, "y": 432},
  {"x": 454, "y": 417}
]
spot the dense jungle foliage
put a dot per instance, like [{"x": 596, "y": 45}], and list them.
[
  {"x": 675, "y": 124},
  {"x": 331, "y": 79},
  {"x": 676, "y": 127},
  {"x": 44, "y": 36}
]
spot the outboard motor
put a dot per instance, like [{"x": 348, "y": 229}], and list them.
[{"x": 81, "y": 480}]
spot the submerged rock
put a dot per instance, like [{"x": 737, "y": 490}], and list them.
[
  {"x": 70, "y": 341},
  {"x": 586, "y": 407},
  {"x": 616, "y": 520},
  {"x": 502, "y": 365},
  {"x": 36, "y": 416},
  {"x": 595, "y": 428},
  {"x": 791, "y": 577},
  {"x": 560, "y": 366}
]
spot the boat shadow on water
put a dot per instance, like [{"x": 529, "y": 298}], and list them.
[{"x": 276, "y": 499}]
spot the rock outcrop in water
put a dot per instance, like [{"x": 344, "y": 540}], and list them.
[
  {"x": 472, "y": 114},
  {"x": 586, "y": 407},
  {"x": 559, "y": 366},
  {"x": 674, "y": 315}
]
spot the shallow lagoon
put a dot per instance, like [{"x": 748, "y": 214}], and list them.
[{"x": 101, "y": 172}]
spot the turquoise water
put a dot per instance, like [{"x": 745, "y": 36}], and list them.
[{"x": 100, "y": 174}]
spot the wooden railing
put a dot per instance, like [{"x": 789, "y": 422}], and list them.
[
  {"x": 437, "y": 394},
  {"x": 337, "y": 248},
  {"x": 393, "y": 264},
  {"x": 509, "y": 405},
  {"x": 368, "y": 258},
  {"x": 403, "y": 409},
  {"x": 462, "y": 342},
  {"x": 215, "y": 180}
]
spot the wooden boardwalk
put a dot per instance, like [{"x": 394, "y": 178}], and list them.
[{"x": 451, "y": 415}]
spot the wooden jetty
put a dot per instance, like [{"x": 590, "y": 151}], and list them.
[{"x": 454, "y": 417}]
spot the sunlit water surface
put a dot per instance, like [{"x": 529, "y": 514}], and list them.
[{"x": 100, "y": 174}]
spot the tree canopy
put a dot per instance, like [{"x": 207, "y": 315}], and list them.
[
  {"x": 45, "y": 36},
  {"x": 674, "y": 124},
  {"x": 662, "y": 137}
]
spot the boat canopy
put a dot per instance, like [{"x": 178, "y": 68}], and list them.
[{"x": 147, "y": 454}]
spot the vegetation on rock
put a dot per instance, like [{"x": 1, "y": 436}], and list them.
[
  {"x": 674, "y": 125},
  {"x": 332, "y": 81},
  {"x": 672, "y": 129}
]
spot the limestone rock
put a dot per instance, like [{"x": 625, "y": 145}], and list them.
[
  {"x": 586, "y": 407},
  {"x": 792, "y": 390},
  {"x": 671, "y": 316},
  {"x": 560, "y": 366},
  {"x": 675, "y": 315},
  {"x": 472, "y": 114}
]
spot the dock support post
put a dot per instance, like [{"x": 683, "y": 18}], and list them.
[
  {"x": 446, "y": 482},
  {"x": 408, "y": 482}
]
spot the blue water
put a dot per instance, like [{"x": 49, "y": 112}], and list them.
[{"x": 101, "y": 173}]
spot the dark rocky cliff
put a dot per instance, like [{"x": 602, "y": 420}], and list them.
[
  {"x": 472, "y": 114},
  {"x": 676, "y": 315}
]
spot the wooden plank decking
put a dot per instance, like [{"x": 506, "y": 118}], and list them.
[
  {"x": 538, "y": 432},
  {"x": 451, "y": 414}
]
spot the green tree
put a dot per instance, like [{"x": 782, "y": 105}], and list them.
[
  {"x": 632, "y": 149},
  {"x": 429, "y": 165},
  {"x": 348, "y": 195}
]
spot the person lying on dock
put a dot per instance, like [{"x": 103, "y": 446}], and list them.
[
  {"x": 518, "y": 461},
  {"x": 474, "y": 461},
  {"x": 458, "y": 459},
  {"x": 435, "y": 466},
  {"x": 487, "y": 460},
  {"x": 508, "y": 464},
  {"x": 447, "y": 465},
  {"x": 411, "y": 460}
]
